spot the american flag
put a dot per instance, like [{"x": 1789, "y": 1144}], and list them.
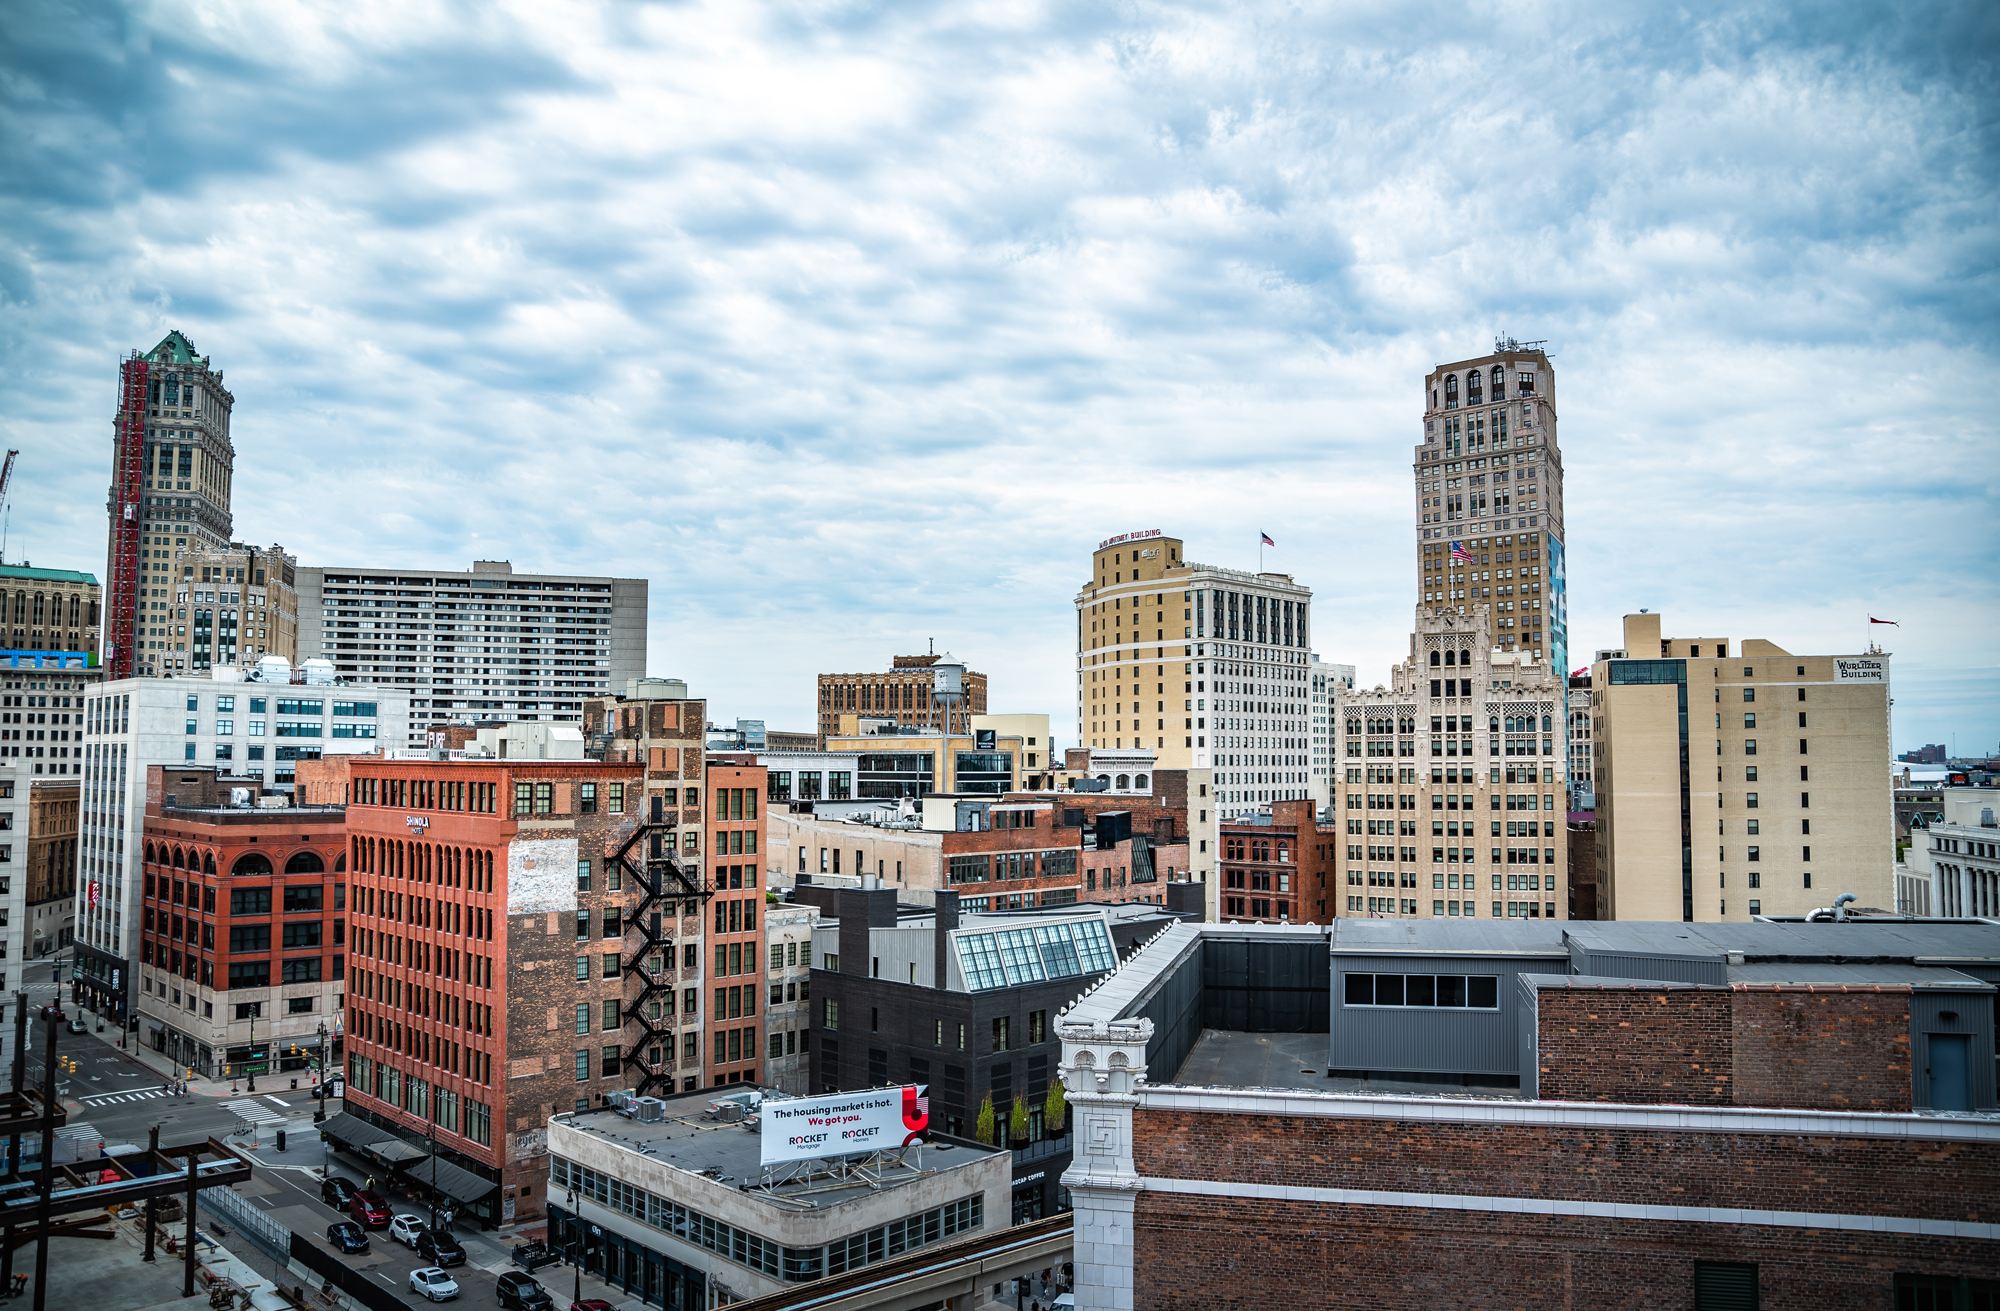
[
  {"x": 1266, "y": 539},
  {"x": 1459, "y": 553}
]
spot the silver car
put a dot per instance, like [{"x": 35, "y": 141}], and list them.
[{"x": 433, "y": 1283}]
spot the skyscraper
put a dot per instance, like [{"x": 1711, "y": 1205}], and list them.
[
  {"x": 172, "y": 465},
  {"x": 1490, "y": 502},
  {"x": 1240, "y": 669}
]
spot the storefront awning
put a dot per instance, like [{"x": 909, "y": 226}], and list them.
[
  {"x": 451, "y": 1180},
  {"x": 360, "y": 1136}
]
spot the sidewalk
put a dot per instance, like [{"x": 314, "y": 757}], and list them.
[{"x": 201, "y": 1085}]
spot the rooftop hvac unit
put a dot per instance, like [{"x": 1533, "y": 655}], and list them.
[
  {"x": 729, "y": 1112},
  {"x": 650, "y": 1110},
  {"x": 620, "y": 1098}
]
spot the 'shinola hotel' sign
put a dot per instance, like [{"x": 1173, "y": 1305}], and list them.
[{"x": 417, "y": 823}]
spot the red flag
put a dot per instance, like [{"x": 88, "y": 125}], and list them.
[{"x": 1892, "y": 623}]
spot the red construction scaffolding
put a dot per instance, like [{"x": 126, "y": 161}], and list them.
[{"x": 128, "y": 475}]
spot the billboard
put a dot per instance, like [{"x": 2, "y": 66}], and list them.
[{"x": 843, "y": 1124}]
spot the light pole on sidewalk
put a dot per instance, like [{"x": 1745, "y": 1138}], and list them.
[{"x": 319, "y": 1093}]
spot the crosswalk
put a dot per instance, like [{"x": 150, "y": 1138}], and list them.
[
  {"x": 254, "y": 1112},
  {"x": 112, "y": 1099}
]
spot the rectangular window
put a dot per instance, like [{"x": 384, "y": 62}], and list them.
[
  {"x": 829, "y": 1013},
  {"x": 1472, "y": 992},
  {"x": 583, "y": 1017},
  {"x": 1001, "y": 1024},
  {"x": 583, "y": 1065},
  {"x": 583, "y": 875}
]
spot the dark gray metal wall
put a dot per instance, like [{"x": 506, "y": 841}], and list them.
[
  {"x": 1424, "y": 1040},
  {"x": 1174, "y": 1007},
  {"x": 1528, "y": 1032},
  {"x": 1264, "y": 987},
  {"x": 1973, "y": 1016}
]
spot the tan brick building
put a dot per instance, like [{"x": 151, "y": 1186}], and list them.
[
  {"x": 49, "y": 609},
  {"x": 903, "y": 694},
  {"x": 1207, "y": 668},
  {"x": 1798, "y": 809},
  {"x": 52, "y": 829},
  {"x": 228, "y": 605}
]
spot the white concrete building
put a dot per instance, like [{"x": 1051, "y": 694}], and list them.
[
  {"x": 480, "y": 642},
  {"x": 258, "y": 731},
  {"x": 788, "y": 931},
  {"x": 667, "y": 1207},
  {"x": 1327, "y": 683},
  {"x": 1960, "y": 859}
]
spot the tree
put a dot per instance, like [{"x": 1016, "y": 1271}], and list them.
[
  {"x": 982, "y": 1127},
  {"x": 1056, "y": 1109},
  {"x": 1017, "y": 1120}
]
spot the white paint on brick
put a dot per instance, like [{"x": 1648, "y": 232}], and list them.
[{"x": 541, "y": 876}]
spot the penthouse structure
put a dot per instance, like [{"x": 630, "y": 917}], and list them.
[{"x": 477, "y": 643}]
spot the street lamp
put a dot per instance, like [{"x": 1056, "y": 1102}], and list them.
[
  {"x": 430, "y": 1142},
  {"x": 251, "y": 1068},
  {"x": 575, "y": 1247},
  {"x": 319, "y": 1093}
]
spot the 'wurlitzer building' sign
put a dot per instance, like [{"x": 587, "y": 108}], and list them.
[{"x": 844, "y": 1124}]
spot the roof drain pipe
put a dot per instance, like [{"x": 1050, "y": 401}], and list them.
[{"x": 1836, "y": 912}]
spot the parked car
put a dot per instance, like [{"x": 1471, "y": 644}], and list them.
[
  {"x": 533, "y": 1256},
  {"x": 406, "y": 1229},
  {"x": 523, "y": 1294},
  {"x": 433, "y": 1283},
  {"x": 439, "y": 1248},
  {"x": 590, "y": 1304},
  {"x": 347, "y": 1236},
  {"x": 338, "y": 1192},
  {"x": 77, "y": 1025},
  {"x": 369, "y": 1208}
]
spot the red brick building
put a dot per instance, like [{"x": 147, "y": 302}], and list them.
[
  {"x": 492, "y": 955},
  {"x": 1027, "y": 858},
  {"x": 243, "y": 921},
  {"x": 1279, "y": 872},
  {"x": 1768, "y": 1135},
  {"x": 735, "y": 830}
]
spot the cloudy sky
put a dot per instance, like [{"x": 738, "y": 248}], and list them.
[{"x": 853, "y": 326}]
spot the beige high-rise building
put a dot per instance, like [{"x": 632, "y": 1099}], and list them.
[
  {"x": 1799, "y": 808},
  {"x": 1489, "y": 499},
  {"x": 228, "y": 605},
  {"x": 1450, "y": 781},
  {"x": 48, "y": 609},
  {"x": 1449, "y": 800},
  {"x": 1207, "y": 668}
]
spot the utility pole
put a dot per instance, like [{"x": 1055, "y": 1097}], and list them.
[
  {"x": 14, "y": 1139},
  {"x": 152, "y": 1203},
  {"x": 45, "y": 1187}
]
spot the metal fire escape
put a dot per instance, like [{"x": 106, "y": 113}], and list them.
[
  {"x": 127, "y": 477},
  {"x": 664, "y": 883}
]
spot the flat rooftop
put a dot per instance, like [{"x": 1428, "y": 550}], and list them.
[
  {"x": 701, "y": 1142},
  {"x": 1228, "y": 1058}
]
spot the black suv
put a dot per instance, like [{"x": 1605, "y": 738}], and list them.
[
  {"x": 523, "y": 1293},
  {"x": 337, "y": 1192},
  {"x": 440, "y": 1248}
]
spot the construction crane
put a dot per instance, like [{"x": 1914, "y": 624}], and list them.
[{"x": 6, "y": 480}]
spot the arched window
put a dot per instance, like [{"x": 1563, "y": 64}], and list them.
[
  {"x": 1499, "y": 382},
  {"x": 1494, "y": 725},
  {"x": 1140, "y": 783},
  {"x": 1472, "y": 388},
  {"x": 305, "y": 862},
  {"x": 151, "y": 859},
  {"x": 1284, "y": 854},
  {"x": 340, "y": 862},
  {"x": 180, "y": 859},
  {"x": 208, "y": 862},
  {"x": 1545, "y": 723},
  {"x": 1124, "y": 782},
  {"x": 1451, "y": 391},
  {"x": 1435, "y": 660},
  {"x": 1451, "y": 658},
  {"x": 250, "y": 863}
]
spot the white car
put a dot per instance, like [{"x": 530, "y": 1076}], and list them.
[
  {"x": 406, "y": 1229},
  {"x": 433, "y": 1283}
]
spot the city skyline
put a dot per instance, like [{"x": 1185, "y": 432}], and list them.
[{"x": 795, "y": 416}]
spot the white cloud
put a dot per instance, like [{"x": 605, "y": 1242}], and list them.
[{"x": 853, "y": 326}]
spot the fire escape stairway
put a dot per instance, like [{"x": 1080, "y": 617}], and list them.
[{"x": 663, "y": 883}]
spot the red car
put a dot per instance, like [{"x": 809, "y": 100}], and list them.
[
  {"x": 369, "y": 1208},
  {"x": 590, "y": 1304}
]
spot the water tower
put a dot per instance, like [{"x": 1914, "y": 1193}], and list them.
[{"x": 948, "y": 692}]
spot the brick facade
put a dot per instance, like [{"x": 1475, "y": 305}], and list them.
[{"x": 1833, "y": 1049}]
